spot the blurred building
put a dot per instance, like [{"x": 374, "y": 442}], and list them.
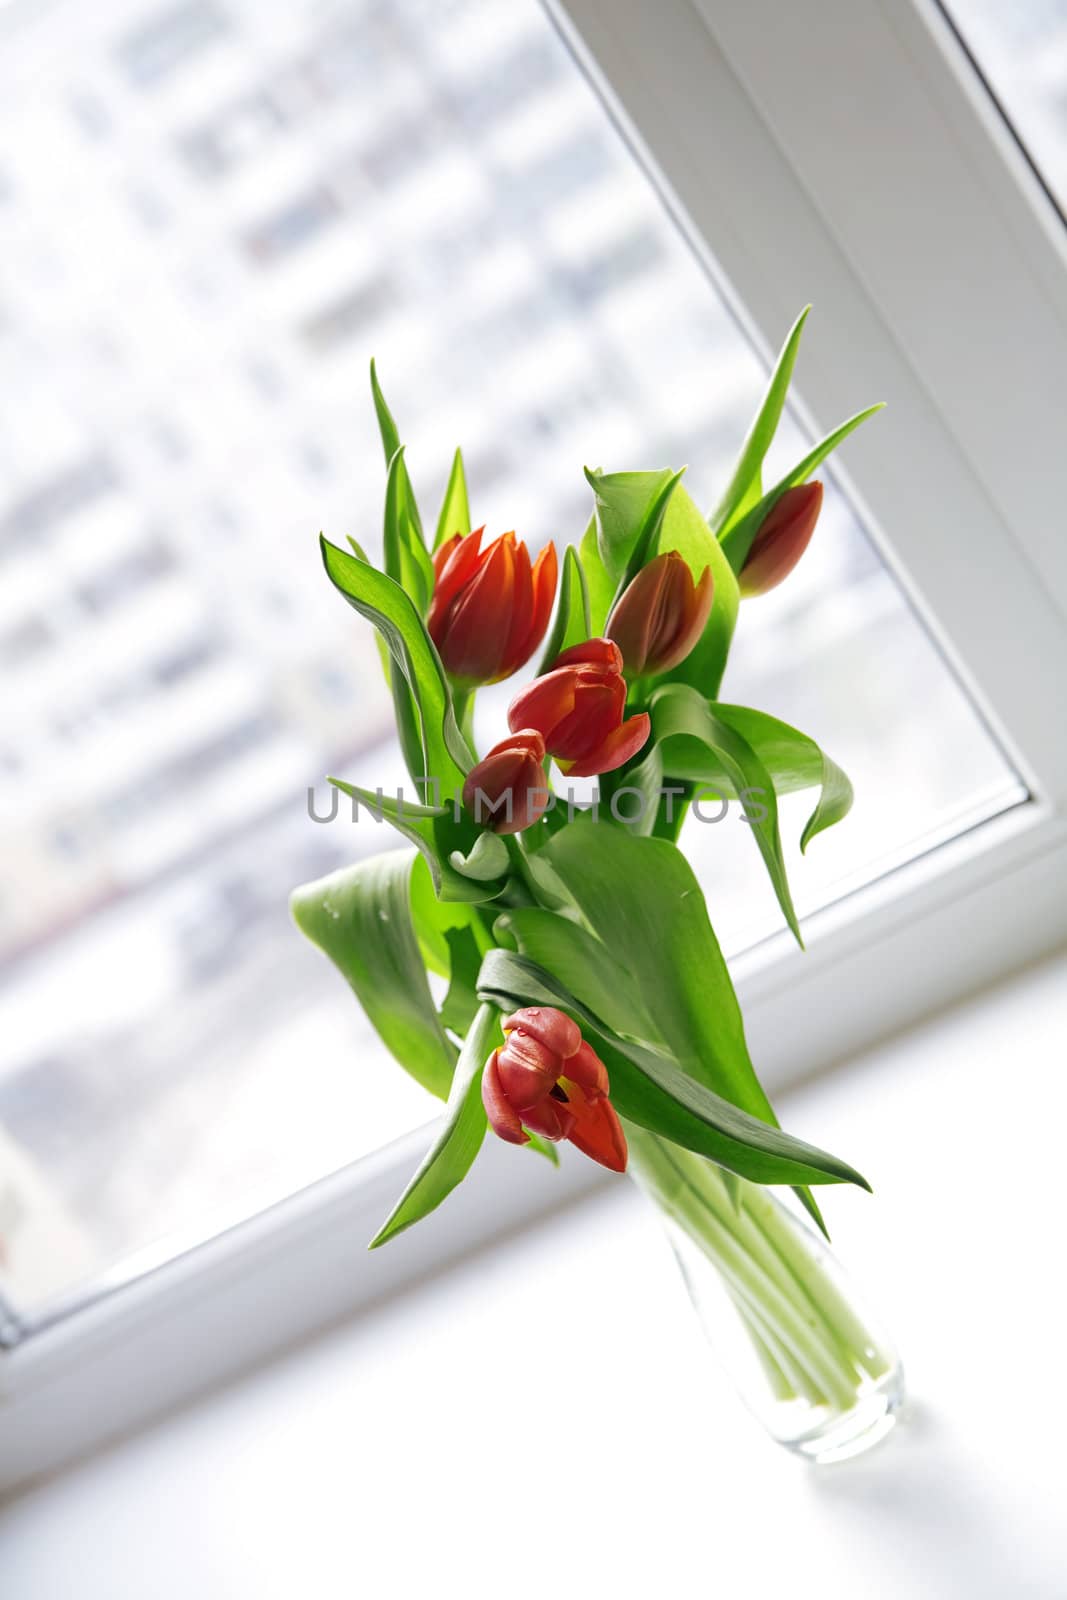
[
  {"x": 212, "y": 213},
  {"x": 207, "y": 205}
]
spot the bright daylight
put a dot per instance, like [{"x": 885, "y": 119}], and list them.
[{"x": 533, "y": 797}]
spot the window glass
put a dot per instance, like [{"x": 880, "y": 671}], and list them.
[
  {"x": 1021, "y": 51},
  {"x": 212, "y": 215}
]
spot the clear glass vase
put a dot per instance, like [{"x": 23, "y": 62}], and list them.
[{"x": 776, "y": 1306}]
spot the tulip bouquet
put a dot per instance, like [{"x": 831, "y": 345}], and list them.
[{"x": 583, "y": 994}]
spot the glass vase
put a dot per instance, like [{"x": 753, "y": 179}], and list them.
[{"x": 775, "y": 1304}]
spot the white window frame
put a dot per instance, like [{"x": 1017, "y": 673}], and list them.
[{"x": 842, "y": 151}]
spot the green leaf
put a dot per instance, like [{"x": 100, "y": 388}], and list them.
[
  {"x": 594, "y": 976},
  {"x": 455, "y": 509},
  {"x": 459, "y": 1137},
  {"x": 685, "y": 530},
  {"x": 386, "y": 426},
  {"x": 461, "y": 1001},
  {"x": 486, "y": 860},
  {"x": 626, "y": 503},
  {"x": 639, "y": 816},
  {"x": 408, "y": 723},
  {"x": 649, "y": 1087},
  {"x": 382, "y": 601},
  {"x": 640, "y": 897},
  {"x": 435, "y": 919},
  {"x": 649, "y": 911},
  {"x": 437, "y": 831},
  {"x": 405, "y": 711},
  {"x": 646, "y": 544},
  {"x": 360, "y": 918},
  {"x": 792, "y": 759},
  {"x": 571, "y": 625},
  {"x": 639, "y": 511},
  {"x": 386, "y": 660},
  {"x": 549, "y": 889},
  {"x": 744, "y": 488},
  {"x": 406, "y": 559},
  {"x": 598, "y": 584},
  {"x": 681, "y": 720},
  {"x": 737, "y": 540},
  {"x": 795, "y": 762}
]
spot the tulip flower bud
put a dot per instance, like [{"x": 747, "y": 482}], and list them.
[
  {"x": 660, "y": 615},
  {"x": 548, "y": 1080},
  {"x": 579, "y": 709},
  {"x": 782, "y": 538},
  {"x": 508, "y": 790},
  {"x": 490, "y": 608}
]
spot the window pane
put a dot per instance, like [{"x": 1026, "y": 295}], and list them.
[
  {"x": 212, "y": 215},
  {"x": 1021, "y": 50}
]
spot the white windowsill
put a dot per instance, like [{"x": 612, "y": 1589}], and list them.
[{"x": 547, "y": 1413}]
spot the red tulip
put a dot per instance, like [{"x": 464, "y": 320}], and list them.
[
  {"x": 783, "y": 537},
  {"x": 579, "y": 709},
  {"x": 660, "y": 615},
  {"x": 508, "y": 790},
  {"x": 547, "y": 1079},
  {"x": 490, "y": 608}
]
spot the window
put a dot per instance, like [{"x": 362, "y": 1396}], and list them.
[
  {"x": 27, "y": 639},
  {"x": 168, "y": 39},
  {"x": 176, "y": 1059},
  {"x": 32, "y": 517},
  {"x": 356, "y": 312},
  {"x": 233, "y": 135},
  {"x": 296, "y": 224},
  {"x": 1022, "y": 52},
  {"x": 179, "y": 1121},
  {"x": 122, "y": 581}
]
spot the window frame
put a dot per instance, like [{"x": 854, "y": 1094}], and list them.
[{"x": 685, "y": 78}]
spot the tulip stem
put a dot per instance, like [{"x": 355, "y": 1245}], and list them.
[
  {"x": 671, "y": 814},
  {"x": 522, "y": 878},
  {"x": 810, "y": 1343},
  {"x": 463, "y": 708}
]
